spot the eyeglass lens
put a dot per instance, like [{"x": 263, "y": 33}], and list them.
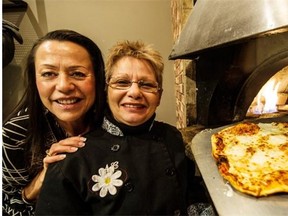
[{"x": 124, "y": 84}]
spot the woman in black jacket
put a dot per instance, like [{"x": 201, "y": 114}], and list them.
[{"x": 134, "y": 165}]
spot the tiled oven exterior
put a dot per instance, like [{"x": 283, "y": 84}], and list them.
[
  {"x": 217, "y": 86},
  {"x": 185, "y": 85}
]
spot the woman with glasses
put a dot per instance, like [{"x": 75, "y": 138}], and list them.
[{"x": 134, "y": 165}]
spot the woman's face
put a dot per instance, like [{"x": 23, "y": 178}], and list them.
[
  {"x": 133, "y": 106},
  {"x": 65, "y": 79}
]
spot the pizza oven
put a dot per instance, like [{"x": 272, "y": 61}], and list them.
[{"x": 236, "y": 48}]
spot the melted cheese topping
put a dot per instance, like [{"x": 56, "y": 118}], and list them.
[{"x": 253, "y": 155}]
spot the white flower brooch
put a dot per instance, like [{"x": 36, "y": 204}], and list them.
[{"x": 107, "y": 180}]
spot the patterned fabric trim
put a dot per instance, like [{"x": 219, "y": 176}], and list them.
[{"x": 111, "y": 128}]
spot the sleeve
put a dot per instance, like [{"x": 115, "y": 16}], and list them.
[
  {"x": 14, "y": 174},
  {"x": 59, "y": 196}
]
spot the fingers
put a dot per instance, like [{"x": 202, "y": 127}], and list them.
[
  {"x": 51, "y": 159},
  {"x": 57, "y": 150},
  {"x": 67, "y": 145}
]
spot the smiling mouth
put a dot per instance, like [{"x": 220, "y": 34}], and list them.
[
  {"x": 134, "y": 105},
  {"x": 67, "y": 101}
]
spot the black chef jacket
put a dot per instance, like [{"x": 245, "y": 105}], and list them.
[{"x": 136, "y": 173}]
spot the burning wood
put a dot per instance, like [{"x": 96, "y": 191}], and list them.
[{"x": 272, "y": 97}]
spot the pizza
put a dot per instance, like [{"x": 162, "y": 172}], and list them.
[{"x": 253, "y": 157}]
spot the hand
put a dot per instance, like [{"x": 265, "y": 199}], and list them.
[
  {"x": 55, "y": 153},
  {"x": 68, "y": 145}
]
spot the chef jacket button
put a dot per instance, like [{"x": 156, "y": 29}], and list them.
[
  {"x": 170, "y": 171},
  {"x": 157, "y": 138},
  {"x": 115, "y": 148},
  {"x": 129, "y": 186}
]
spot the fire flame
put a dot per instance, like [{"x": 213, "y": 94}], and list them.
[
  {"x": 266, "y": 99},
  {"x": 270, "y": 94}
]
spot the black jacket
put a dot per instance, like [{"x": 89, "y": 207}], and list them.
[{"x": 150, "y": 173}]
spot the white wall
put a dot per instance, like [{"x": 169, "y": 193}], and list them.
[{"x": 107, "y": 21}]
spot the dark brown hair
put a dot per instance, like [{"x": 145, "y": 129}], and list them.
[{"x": 31, "y": 100}]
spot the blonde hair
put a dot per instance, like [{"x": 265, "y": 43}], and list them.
[{"x": 139, "y": 50}]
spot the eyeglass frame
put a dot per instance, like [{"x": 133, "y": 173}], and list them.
[{"x": 157, "y": 88}]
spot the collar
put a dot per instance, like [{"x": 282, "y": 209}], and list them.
[{"x": 119, "y": 129}]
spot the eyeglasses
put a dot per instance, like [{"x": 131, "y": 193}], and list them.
[{"x": 125, "y": 84}]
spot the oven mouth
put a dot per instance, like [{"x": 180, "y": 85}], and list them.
[{"x": 235, "y": 48}]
